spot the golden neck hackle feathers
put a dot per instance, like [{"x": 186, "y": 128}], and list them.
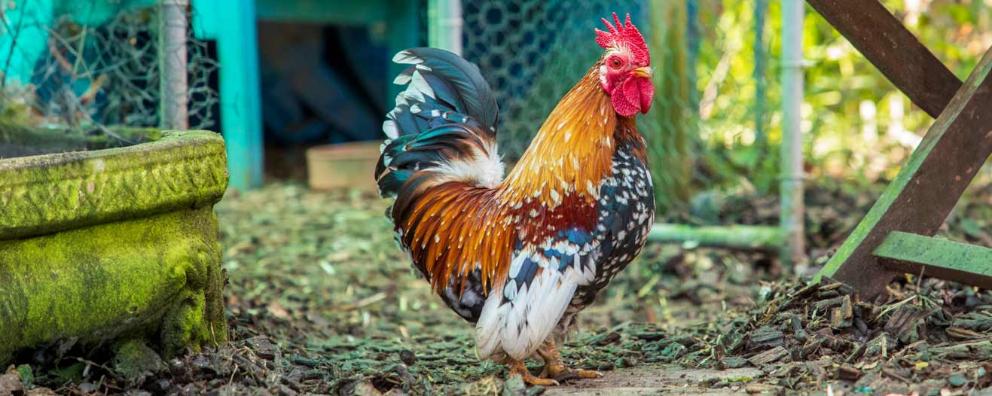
[{"x": 571, "y": 152}]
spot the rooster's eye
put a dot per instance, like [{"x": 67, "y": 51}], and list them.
[{"x": 615, "y": 62}]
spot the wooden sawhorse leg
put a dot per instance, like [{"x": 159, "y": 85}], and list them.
[{"x": 928, "y": 186}]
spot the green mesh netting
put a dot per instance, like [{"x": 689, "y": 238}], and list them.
[{"x": 532, "y": 52}]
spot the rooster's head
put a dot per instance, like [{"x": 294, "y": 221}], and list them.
[{"x": 625, "y": 69}]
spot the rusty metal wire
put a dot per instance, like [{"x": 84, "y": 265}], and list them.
[{"x": 109, "y": 74}]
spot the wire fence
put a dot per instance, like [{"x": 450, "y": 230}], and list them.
[
  {"x": 532, "y": 52},
  {"x": 94, "y": 71}
]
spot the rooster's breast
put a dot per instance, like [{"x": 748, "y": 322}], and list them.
[{"x": 626, "y": 214}]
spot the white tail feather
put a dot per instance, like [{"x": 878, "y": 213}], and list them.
[{"x": 518, "y": 327}]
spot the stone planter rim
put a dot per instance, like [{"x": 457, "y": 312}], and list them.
[{"x": 49, "y": 193}]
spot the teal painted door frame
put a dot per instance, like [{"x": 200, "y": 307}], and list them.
[{"x": 232, "y": 24}]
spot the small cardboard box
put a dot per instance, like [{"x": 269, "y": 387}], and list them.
[{"x": 343, "y": 166}]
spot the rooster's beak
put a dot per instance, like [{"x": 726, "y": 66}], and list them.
[{"x": 643, "y": 71}]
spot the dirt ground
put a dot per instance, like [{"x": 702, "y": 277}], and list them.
[
  {"x": 321, "y": 301},
  {"x": 654, "y": 379}
]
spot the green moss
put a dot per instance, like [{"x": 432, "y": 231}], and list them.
[
  {"x": 26, "y": 374},
  {"x": 185, "y": 325},
  {"x": 70, "y": 373},
  {"x": 49, "y": 193},
  {"x": 146, "y": 276},
  {"x": 133, "y": 360},
  {"x": 96, "y": 245}
]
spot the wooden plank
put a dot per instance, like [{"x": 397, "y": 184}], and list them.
[
  {"x": 26, "y": 41},
  {"x": 173, "y": 110},
  {"x": 205, "y": 26},
  {"x": 893, "y": 49},
  {"x": 926, "y": 188},
  {"x": 917, "y": 254},
  {"x": 732, "y": 237}
]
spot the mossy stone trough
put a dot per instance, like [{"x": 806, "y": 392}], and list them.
[{"x": 114, "y": 244}]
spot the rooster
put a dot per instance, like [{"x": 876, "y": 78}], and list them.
[{"x": 519, "y": 256}]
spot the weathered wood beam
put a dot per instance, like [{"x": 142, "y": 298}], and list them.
[
  {"x": 926, "y": 188},
  {"x": 172, "y": 64},
  {"x": 893, "y": 49},
  {"x": 917, "y": 254},
  {"x": 744, "y": 237}
]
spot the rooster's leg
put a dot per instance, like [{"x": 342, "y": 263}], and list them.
[
  {"x": 517, "y": 367},
  {"x": 554, "y": 368}
]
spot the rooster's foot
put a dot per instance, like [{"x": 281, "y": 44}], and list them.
[
  {"x": 517, "y": 367},
  {"x": 554, "y": 368},
  {"x": 561, "y": 373}
]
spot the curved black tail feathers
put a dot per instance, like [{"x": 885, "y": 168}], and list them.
[{"x": 444, "y": 122}]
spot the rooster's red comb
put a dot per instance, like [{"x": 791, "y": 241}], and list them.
[{"x": 623, "y": 35}]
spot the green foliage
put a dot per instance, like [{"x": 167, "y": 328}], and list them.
[
  {"x": 729, "y": 103},
  {"x": 856, "y": 124}
]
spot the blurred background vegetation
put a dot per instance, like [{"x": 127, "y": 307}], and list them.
[{"x": 858, "y": 127}]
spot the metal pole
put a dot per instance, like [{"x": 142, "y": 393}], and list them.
[
  {"x": 760, "y": 137},
  {"x": 793, "y": 252},
  {"x": 693, "y": 40},
  {"x": 445, "y": 28},
  {"x": 173, "y": 111}
]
